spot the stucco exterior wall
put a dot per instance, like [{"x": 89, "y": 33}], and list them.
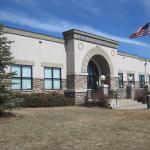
[
  {"x": 132, "y": 65},
  {"x": 70, "y": 58},
  {"x": 39, "y": 52},
  {"x": 80, "y": 54},
  {"x": 72, "y": 54}
]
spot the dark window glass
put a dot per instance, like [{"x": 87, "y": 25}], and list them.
[
  {"x": 142, "y": 80},
  {"x": 120, "y": 80},
  {"x": 52, "y": 78},
  {"x": 93, "y": 76},
  {"x": 22, "y": 80},
  {"x": 149, "y": 80}
]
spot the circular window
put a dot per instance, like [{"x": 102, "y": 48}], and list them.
[
  {"x": 80, "y": 46},
  {"x": 112, "y": 53}
]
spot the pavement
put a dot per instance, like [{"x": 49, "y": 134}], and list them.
[{"x": 127, "y": 104}]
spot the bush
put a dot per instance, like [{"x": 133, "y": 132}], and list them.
[
  {"x": 43, "y": 100},
  {"x": 141, "y": 96},
  {"x": 6, "y": 103},
  {"x": 99, "y": 100}
]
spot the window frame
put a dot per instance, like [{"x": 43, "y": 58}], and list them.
[
  {"x": 21, "y": 78},
  {"x": 149, "y": 80},
  {"x": 140, "y": 81},
  {"x": 53, "y": 79},
  {"x": 122, "y": 82},
  {"x": 133, "y": 81}
]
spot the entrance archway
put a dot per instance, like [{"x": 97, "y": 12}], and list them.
[
  {"x": 97, "y": 66},
  {"x": 96, "y": 51},
  {"x": 100, "y": 63}
]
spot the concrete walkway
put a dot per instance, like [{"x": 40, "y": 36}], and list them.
[{"x": 127, "y": 104}]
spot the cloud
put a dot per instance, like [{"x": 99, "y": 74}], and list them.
[
  {"x": 59, "y": 25},
  {"x": 25, "y": 2},
  {"x": 87, "y": 5},
  {"x": 147, "y": 5}
]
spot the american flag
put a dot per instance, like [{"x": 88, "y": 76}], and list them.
[{"x": 142, "y": 31}]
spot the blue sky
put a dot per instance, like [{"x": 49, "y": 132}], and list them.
[{"x": 115, "y": 19}]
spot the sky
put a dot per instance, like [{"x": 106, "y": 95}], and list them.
[{"x": 114, "y": 19}]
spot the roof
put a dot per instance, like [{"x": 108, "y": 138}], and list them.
[
  {"x": 133, "y": 56},
  {"x": 90, "y": 35},
  {"x": 32, "y": 34},
  {"x": 91, "y": 38},
  {"x": 61, "y": 40}
]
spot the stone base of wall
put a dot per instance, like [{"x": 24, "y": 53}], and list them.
[
  {"x": 76, "y": 88},
  {"x": 114, "y": 83},
  {"x": 76, "y": 82},
  {"x": 38, "y": 87},
  {"x": 78, "y": 96}
]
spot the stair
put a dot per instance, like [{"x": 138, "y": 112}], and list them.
[{"x": 127, "y": 104}]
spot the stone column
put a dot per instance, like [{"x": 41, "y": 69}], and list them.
[
  {"x": 147, "y": 88},
  {"x": 114, "y": 82},
  {"x": 130, "y": 91},
  {"x": 103, "y": 89},
  {"x": 77, "y": 88}
]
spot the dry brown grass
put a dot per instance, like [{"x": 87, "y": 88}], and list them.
[{"x": 76, "y": 128}]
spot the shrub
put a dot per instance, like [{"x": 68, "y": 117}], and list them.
[
  {"x": 43, "y": 100},
  {"x": 6, "y": 103},
  {"x": 99, "y": 99},
  {"x": 141, "y": 96}
]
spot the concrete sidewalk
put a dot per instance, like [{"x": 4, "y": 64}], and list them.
[{"x": 127, "y": 104}]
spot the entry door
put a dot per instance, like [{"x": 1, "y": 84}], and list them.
[{"x": 93, "y": 76}]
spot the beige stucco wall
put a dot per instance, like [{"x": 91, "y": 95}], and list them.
[
  {"x": 132, "y": 65},
  {"x": 68, "y": 56},
  {"x": 79, "y": 55},
  {"x": 44, "y": 52}
]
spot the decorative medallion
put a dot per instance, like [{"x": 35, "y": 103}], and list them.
[
  {"x": 80, "y": 46},
  {"x": 112, "y": 53}
]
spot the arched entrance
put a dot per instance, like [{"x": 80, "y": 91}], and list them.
[
  {"x": 97, "y": 66},
  {"x": 102, "y": 63},
  {"x": 99, "y": 52}
]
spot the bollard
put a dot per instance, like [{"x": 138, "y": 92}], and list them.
[{"x": 148, "y": 101}]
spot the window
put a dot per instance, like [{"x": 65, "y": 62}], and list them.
[
  {"x": 93, "y": 76},
  {"x": 52, "y": 78},
  {"x": 120, "y": 80},
  {"x": 22, "y": 80},
  {"x": 131, "y": 76},
  {"x": 142, "y": 80}
]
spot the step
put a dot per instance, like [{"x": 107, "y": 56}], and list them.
[
  {"x": 138, "y": 106},
  {"x": 126, "y": 103}
]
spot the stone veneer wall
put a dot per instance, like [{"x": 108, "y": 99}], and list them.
[
  {"x": 79, "y": 97},
  {"x": 114, "y": 83},
  {"x": 123, "y": 91},
  {"x": 38, "y": 87},
  {"x": 76, "y": 82},
  {"x": 76, "y": 88}
]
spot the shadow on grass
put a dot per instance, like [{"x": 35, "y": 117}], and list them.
[
  {"x": 94, "y": 105},
  {"x": 7, "y": 114}
]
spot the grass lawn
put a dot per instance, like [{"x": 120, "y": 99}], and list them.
[{"x": 75, "y": 128}]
